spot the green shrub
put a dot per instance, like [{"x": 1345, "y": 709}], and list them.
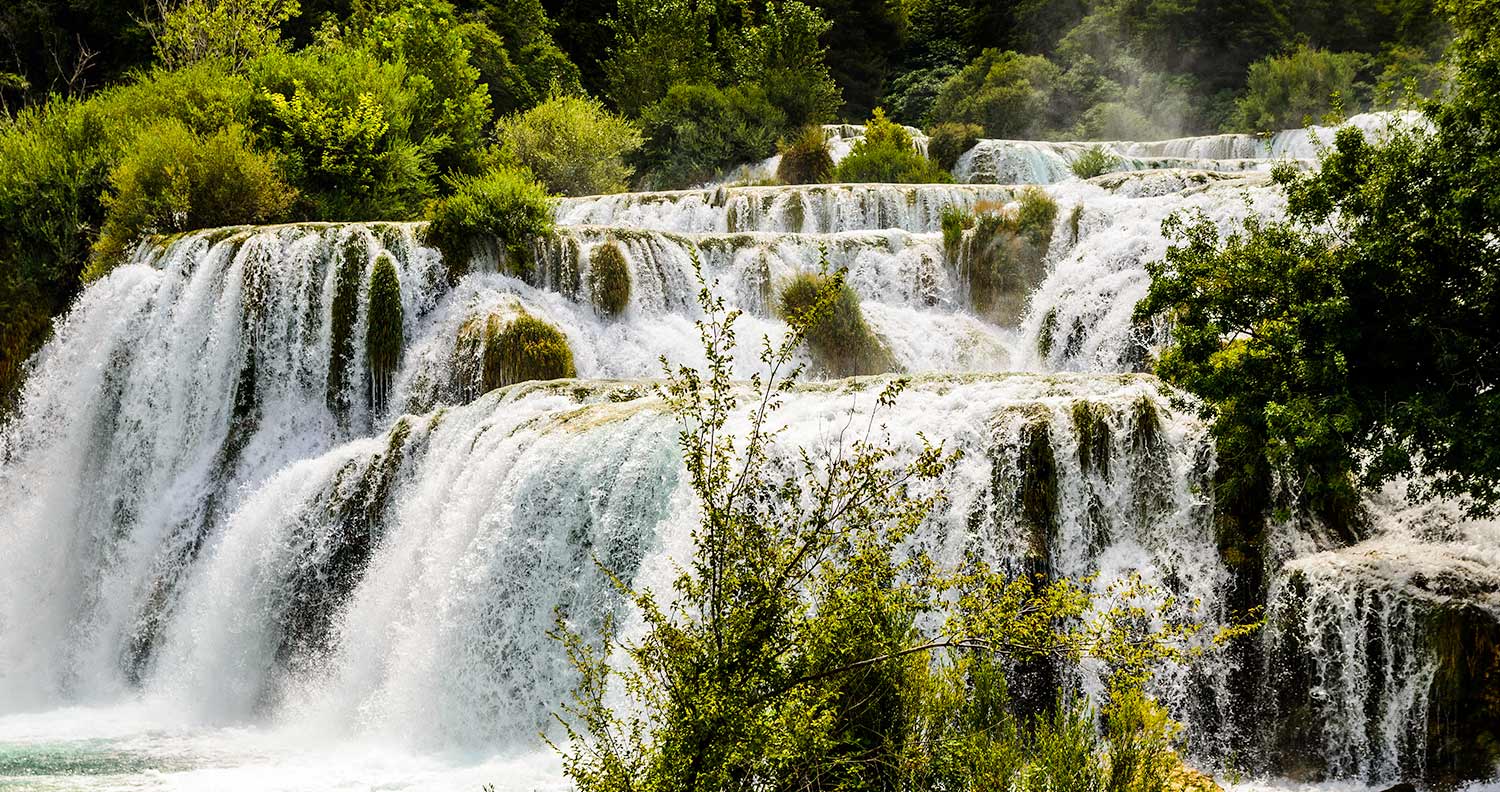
[
  {"x": 806, "y": 160},
  {"x": 500, "y": 211},
  {"x": 384, "y": 336},
  {"x": 572, "y": 144},
  {"x": 174, "y": 180},
  {"x": 1289, "y": 91},
  {"x": 886, "y": 154},
  {"x": 948, "y": 141},
  {"x": 697, "y": 131},
  {"x": 1094, "y": 162},
  {"x": 1006, "y": 93},
  {"x": 342, "y": 135},
  {"x": 609, "y": 279},
  {"x": 841, "y": 341},
  {"x": 956, "y": 220},
  {"x": 526, "y": 349}
]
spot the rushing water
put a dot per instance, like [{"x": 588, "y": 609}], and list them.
[{"x": 224, "y": 564}]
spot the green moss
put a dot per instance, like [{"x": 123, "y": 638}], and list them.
[
  {"x": 796, "y": 213},
  {"x": 383, "y": 335},
  {"x": 1074, "y": 218},
  {"x": 1091, "y": 427},
  {"x": 609, "y": 279},
  {"x": 526, "y": 349},
  {"x": 1145, "y": 425},
  {"x": 1046, "y": 337},
  {"x": 350, "y": 266},
  {"x": 1038, "y": 494},
  {"x": 840, "y": 340}
]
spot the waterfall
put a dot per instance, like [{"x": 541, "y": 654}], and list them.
[{"x": 256, "y": 493}]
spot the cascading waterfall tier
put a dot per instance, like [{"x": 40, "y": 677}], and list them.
[{"x": 232, "y": 498}]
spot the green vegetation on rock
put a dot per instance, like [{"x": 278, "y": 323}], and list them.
[
  {"x": 841, "y": 341},
  {"x": 886, "y": 154},
  {"x": 947, "y": 142},
  {"x": 525, "y": 349},
  {"x": 1094, "y": 162},
  {"x": 500, "y": 212},
  {"x": 1001, "y": 259},
  {"x": 384, "y": 334},
  {"x": 609, "y": 279}
]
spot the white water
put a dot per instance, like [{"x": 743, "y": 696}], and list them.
[{"x": 217, "y": 574}]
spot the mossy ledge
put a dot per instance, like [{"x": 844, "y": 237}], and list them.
[{"x": 999, "y": 252}]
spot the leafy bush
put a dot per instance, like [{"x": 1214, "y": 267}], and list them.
[
  {"x": 886, "y": 154},
  {"x": 840, "y": 340},
  {"x": 948, "y": 141},
  {"x": 236, "y": 31},
  {"x": 527, "y": 349},
  {"x": 609, "y": 279},
  {"x": 659, "y": 44},
  {"x": 697, "y": 131},
  {"x": 1289, "y": 91},
  {"x": 501, "y": 211},
  {"x": 1006, "y": 93},
  {"x": 572, "y": 144},
  {"x": 174, "y": 180},
  {"x": 518, "y": 74},
  {"x": 806, "y": 159},
  {"x": 1094, "y": 162},
  {"x": 785, "y": 56},
  {"x": 833, "y": 673}
]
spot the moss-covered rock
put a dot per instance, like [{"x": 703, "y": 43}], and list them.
[
  {"x": 525, "y": 349},
  {"x": 384, "y": 335},
  {"x": 609, "y": 279},
  {"x": 353, "y": 257},
  {"x": 1091, "y": 427},
  {"x": 841, "y": 341}
]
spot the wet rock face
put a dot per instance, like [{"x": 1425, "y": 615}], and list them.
[{"x": 1385, "y": 662}]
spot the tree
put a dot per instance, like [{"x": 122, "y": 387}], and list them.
[
  {"x": 658, "y": 44},
  {"x": 1358, "y": 340},
  {"x": 1290, "y": 91},
  {"x": 1006, "y": 93},
  {"x": 783, "y": 55}
]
